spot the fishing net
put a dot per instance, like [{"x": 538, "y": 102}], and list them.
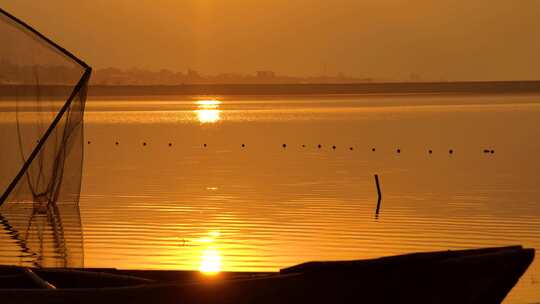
[{"x": 42, "y": 98}]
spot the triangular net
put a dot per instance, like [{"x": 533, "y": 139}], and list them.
[{"x": 42, "y": 98}]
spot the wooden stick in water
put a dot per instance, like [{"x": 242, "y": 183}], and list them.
[{"x": 379, "y": 195}]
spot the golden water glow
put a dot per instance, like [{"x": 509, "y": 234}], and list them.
[{"x": 208, "y": 111}]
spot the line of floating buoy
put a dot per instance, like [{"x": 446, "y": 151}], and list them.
[{"x": 319, "y": 146}]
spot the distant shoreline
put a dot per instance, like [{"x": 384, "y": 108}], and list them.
[
  {"x": 509, "y": 87},
  {"x": 390, "y": 88}
]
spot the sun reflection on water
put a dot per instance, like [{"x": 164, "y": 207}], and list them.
[
  {"x": 208, "y": 116},
  {"x": 208, "y": 111},
  {"x": 210, "y": 103},
  {"x": 210, "y": 261},
  {"x": 210, "y": 255}
]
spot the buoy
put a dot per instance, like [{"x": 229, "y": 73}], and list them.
[
  {"x": 373, "y": 149},
  {"x": 334, "y": 147},
  {"x": 170, "y": 144},
  {"x": 243, "y": 145},
  {"x": 144, "y": 144},
  {"x": 319, "y": 146},
  {"x": 204, "y": 145},
  {"x": 303, "y": 146},
  {"x": 116, "y": 143},
  {"x": 451, "y": 151},
  {"x": 89, "y": 142},
  {"x": 492, "y": 151},
  {"x": 430, "y": 151},
  {"x": 284, "y": 145},
  {"x": 351, "y": 148},
  {"x": 398, "y": 150}
]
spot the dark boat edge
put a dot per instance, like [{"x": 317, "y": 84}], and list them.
[
  {"x": 417, "y": 257},
  {"x": 467, "y": 276}
]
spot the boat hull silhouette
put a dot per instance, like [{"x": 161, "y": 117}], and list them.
[{"x": 467, "y": 276}]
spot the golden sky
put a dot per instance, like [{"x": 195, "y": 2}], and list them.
[{"x": 387, "y": 39}]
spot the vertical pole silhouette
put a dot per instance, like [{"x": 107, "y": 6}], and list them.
[{"x": 378, "y": 194}]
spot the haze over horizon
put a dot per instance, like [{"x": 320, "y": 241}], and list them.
[{"x": 380, "y": 39}]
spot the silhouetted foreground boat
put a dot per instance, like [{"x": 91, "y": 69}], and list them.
[{"x": 468, "y": 276}]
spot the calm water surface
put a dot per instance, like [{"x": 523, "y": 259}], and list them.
[{"x": 194, "y": 198}]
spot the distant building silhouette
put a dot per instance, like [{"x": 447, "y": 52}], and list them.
[
  {"x": 266, "y": 75},
  {"x": 114, "y": 76}
]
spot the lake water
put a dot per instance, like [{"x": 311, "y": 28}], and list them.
[{"x": 206, "y": 183}]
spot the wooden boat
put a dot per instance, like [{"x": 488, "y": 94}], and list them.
[{"x": 467, "y": 276}]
